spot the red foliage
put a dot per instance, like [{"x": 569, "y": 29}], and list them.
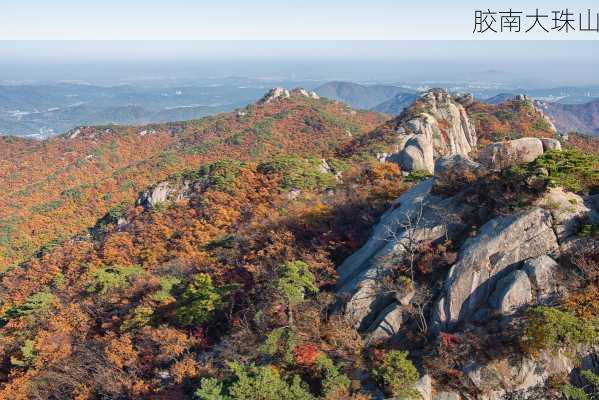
[{"x": 306, "y": 354}]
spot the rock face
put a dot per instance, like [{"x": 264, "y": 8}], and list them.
[
  {"x": 387, "y": 324},
  {"x": 497, "y": 156},
  {"x": 454, "y": 172},
  {"x": 447, "y": 396},
  {"x": 512, "y": 292},
  {"x": 521, "y": 377},
  {"x": 435, "y": 126},
  {"x": 567, "y": 209},
  {"x": 541, "y": 272},
  {"x": 418, "y": 217},
  {"x": 163, "y": 192},
  {"x": 501, "y": 243},
  {"x": 551, "y": 144}
]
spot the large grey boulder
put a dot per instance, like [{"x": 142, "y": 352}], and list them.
[
  {"x": 454, "y": 172},
  {"x": 501, "y": 243},
  {"x": 511, "y": 293},
  {"x": 500, "y": 155},
  {"x": 417, "y": 155},
  {"x": 542, "y": 274}
]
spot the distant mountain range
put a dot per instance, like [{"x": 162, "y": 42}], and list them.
[
  {"x": 361, "y": 96},
  {"x": 43, "y": 110},
  {"x": 583, "y": 118},
  {"x": 397, "y": 104}
]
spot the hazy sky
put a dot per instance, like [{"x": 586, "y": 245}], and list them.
[
  {"x": 172, "y": 51},
  {"x": 261, "y": 19},
  {"x": 526, "y": 62}
]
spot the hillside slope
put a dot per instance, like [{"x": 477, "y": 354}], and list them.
[
  {"x": 290, "y": 251},
  {"x": 61, "y": 186}
]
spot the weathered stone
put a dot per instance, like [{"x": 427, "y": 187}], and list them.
[
  {"x": 454, "y": 172},
  {"x": 163, "y": 192},
  {"x": 592, "y": 203},
  {"x": 502, "y": 155},
  {"x": 447, "y": 396},
  {"x": 274, "y": 94},
  {"x": 551, "y": 144},
  {"x": 439, "y": 126},
  {"x": 512, "y": 292},
  {"x": 387, "y": 324},
  {"x": 501, "y": 242},
  {"x": 424, "y": 386},
  {"x": 417, "y": 155},
  {"x": 541, "y": 272},
  {"x": 567, "y": 210},
  {"x": 361, "y": 274}
]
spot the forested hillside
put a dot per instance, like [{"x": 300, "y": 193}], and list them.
[{"x": 299, "y": 249}]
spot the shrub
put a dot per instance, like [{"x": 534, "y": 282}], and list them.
[
  {"x": 333, "y": 382},
  {"x": 167, "y": 284},
  {"x": 142, "y": 316},
  {"x": 200, "y": 300},
  {"x": 211, "y": 389},
  {"x": 115, "y": 277},
  {"x": 417, "y": 176},
  {"x": 295, "y": 280},
  {"x": 572, "y": 169},
  {"x": 398, "y": 375},
  {"x": 298, "y": 173},
  {"x": 588, "y": 392},
  {"x": 27, "y": 355},
  {"x": 550, "y": 328},
  {"x": 280, "y": 341},
  {"x": 255, "y": 383},
  {"x": 221, "y": 175}
]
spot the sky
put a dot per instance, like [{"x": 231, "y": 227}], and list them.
[
  {"x": 540, "y": 63},
  {"x": 266, "y": 19},
  {"x": 350, "y": 39}
]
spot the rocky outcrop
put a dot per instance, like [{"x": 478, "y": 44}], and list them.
[
  {"x": 501, "y": 243},
  {"x": 360, "y": 275},
  {"x": 274, "y": 94},
  {"x": 282, "y": 93},
  {"x": 436, "y": 125},
  {"x": 166, "y": 191},
  {"x": 522, "y": 377},
  {"x": 497, "y": 156}
]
